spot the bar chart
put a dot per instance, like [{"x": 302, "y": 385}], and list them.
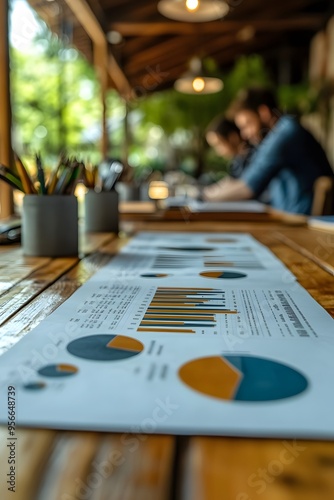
[{"x": 183, "y": 310}]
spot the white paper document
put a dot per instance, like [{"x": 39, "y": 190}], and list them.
[
  {"x": 251, "y": 206},
  {"x": 180, "y": 349}
]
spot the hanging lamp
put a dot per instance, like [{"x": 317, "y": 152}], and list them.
[
  {"x": 197, "y": 81},
  {"x": 193, "y": 11}
]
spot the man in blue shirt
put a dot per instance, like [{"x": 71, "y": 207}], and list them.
[{"x": 288, "y": 159}]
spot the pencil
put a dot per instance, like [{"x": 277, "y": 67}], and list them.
[
  {"x": 77, "y": 172},
  {"x": 24, "y": 176},
  {"x": 40, "y": 174},
  {"x": 53, "y": 179},
  {"x": 10, "y": 182},
  {"x": 11, "y": 177}
]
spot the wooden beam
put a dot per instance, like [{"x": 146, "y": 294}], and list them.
[
  {"x": 174, "y": 28},
  {"x": 6, "y": 198},
  {"x": 87, "y": 19}
]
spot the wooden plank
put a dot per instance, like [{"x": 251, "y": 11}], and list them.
[
  {"x": 27, "y": 289},
  {"x": 70, "y": 462},
  {"x": 14, "y": 267},
  {"x": 32, "y": 450},
  {"x": 6, "y": 197},
  {"x": 47, "y": 301},
  {"x": 91, "y": 242},
  {"x": 314, "y": 244},
  {"x": 109, "y": 467},
  {"x": 247, "y": 469},
  {"x": 316, "y": 280},
  {"x": 145, "y": 29},
  {"x": 60, "y": 465}
]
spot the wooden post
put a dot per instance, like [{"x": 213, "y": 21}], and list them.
[
  {"x": 127, "y": 136},
  {"x": 6, "y": 195},
  {"x": 101, "y": 66}
]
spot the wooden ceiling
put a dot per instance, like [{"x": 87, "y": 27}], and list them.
[{"x": 155, "y": 51}]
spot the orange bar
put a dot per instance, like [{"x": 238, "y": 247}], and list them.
[
  {"x": 167, "y": 322},
  {"x": 180, "y": 288}
]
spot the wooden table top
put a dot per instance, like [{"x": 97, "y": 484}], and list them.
[{"x": 59, "y": 465}]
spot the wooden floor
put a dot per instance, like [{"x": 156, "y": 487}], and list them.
[{"x": 54, "y": 465}]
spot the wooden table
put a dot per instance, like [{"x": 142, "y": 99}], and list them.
[{"x": 54, "y": 465}]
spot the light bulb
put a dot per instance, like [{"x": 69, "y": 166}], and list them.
[
  {"x": 198, "y": 84},
  {"x": 192, "y": 5}
]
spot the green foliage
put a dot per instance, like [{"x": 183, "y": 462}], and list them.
[
  {"x": 54, "y": 102},
  {"x": 174, "y": 112},
  {"x": 298, "y": 99}
]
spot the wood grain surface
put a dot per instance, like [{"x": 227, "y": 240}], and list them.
[
  {"x": 59, "y": 465},
  {"x": 316, "y": 245}
]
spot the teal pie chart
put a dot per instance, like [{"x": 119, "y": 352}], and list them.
[
  {"x": 266, "y": 380},
  {"x": 243, "y": 378},
  {"x": 105, "y": 347},
  {"x": 34, "y": 386},
  {"x": 58, "y": 371}
]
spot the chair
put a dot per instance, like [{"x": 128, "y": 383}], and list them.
[{"x": 323, "y": 198}]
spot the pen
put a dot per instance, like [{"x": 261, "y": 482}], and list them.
[
  {"x": 52, "y": 182},
  {"x": 63, "y": 180}
]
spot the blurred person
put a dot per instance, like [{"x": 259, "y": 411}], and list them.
[
  {"x": 224, "y": 137},
  {"x": 288, "y": 158}
]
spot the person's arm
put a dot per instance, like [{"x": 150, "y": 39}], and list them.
[
  {"x": 228, "y": 190},
  {"x": 273, "y": 154}
]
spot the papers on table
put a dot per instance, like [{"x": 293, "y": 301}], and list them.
[
  {"x": 181, "y": 346},
  {"x": 251, "y": 206},
  {"x": 325, "y": 222}
]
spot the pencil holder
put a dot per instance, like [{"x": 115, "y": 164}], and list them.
[
  {"x": 50, "y": 225},
  {"x": 101, "y": 212}
]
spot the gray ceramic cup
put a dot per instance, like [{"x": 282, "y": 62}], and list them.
[
  {"x": 50, "y": 225},
  {"x": 101, "y": 212}
]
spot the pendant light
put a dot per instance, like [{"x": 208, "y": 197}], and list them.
[
  {"x": 197, "y": 82},
  {"x": 193, "y": 11}
]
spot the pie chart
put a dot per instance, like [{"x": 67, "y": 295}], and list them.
[
  {"x": 151, "y": 275},
  {"x": 225, "y": 275},
  {"x": 105, "y": 347},
  {"x": 242, "y": 378},
  {"x": 60, "y": 370},
  {"x": 34, "y": 386}
]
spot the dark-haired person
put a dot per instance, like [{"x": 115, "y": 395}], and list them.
[
  {"x": 288, "y": 158},
  {"x": 224, "y": 137}
]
